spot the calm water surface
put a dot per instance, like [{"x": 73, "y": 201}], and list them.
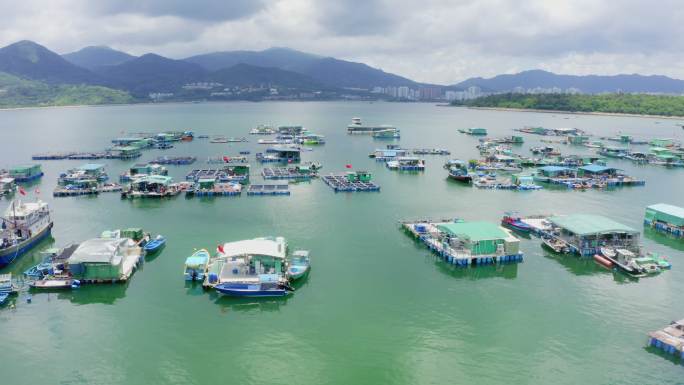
[{"x": 377, "y": 307}]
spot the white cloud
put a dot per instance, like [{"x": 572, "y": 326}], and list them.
[{"x": 441, "y": 41}]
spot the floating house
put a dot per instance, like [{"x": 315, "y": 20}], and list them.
[
  {"x": 548, "y": 174},
  {"x": 662, "y": 142},
  {"x": 406, "y": 163},
  {"x": 467, "y": 243},
  {"x": 280, "y": 154},
  {"x": 86, "y": 172},
  {"x": 356, "y": 127},
  {"x": 151, "y": 186},
  {"x": 104, "y": 260},
  {"x": 383, "y": 155},
  {"x": 123, "y": 152},
  {"x": 140, "y": 170},
  {"x": 577, "y": 139},
  {"x": 585, "y": 234},
  {"x": 262, "y": 129},
  {"x": 26, "y": 172},
  {"x": 665, "y": 218},
  {"x": 291, "y": 130}
]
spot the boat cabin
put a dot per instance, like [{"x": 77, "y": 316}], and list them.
[
  {"x": 26, "y": 172},
  {"x": 479, "y": 238},
  {"x": 104, "y": 259},
  {"x": 245, "y": 260}
]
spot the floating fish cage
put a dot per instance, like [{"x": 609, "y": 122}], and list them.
[
  {"x": 268, "y": 189},
  {"x": 175, "y": 160},
  {"x": 286, "y": 173},
  {"x": 342, "y": 183},
  {"x": 52, "y": 156}
]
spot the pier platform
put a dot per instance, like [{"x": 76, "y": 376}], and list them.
[
  {"x": 268, "y": 189},
  {"x": 340, "y": 183}
]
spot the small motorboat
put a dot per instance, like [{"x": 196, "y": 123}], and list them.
[
  {"x": 556, "y": 245},
  {"x": 155, "y": 244},
  {"x": 625, "y": 260},
  {"x": 514, "y": 223},
  {"x": 219, "y": 139},
  {"x": 266, "y": 285},
  {"x": 195, "y": 265},
  {"x": 54, "y": 284},
  {"x": 299, "y": 265}
]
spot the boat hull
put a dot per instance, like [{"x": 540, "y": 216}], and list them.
[
  {"x": 245, "y": 290},
  {"x": 461, "y": 178},
  {"x": 9, "y": 255}
]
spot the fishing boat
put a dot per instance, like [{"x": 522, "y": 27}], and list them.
[
  {"x": 163, "y": 145},
  {"x": 624, "y": 260},
  {"x": 458, "y": 171},
  {"x": 264, "y": 285},
  {"x": 389, "y": 133},
  {"x": 23, "y": 226},
  {"x": 236, "y": 140},
  {"x": 356, "y": 127},
  {"x": 196, "y": 265},
  {"x": 513, "y": 222},
  {"x": 155, "y": 244},
  {"x": 219, "y": 139},
  {"x": 7, "y": 186},
  {"x": 262, "y": 129},
  {"x": 555, "y": 244},
  {"x": 299, "y": 265},
  {"x": 54, "y": 283}
]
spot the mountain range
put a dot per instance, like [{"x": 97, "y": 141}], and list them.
[
  {"x": 590, "y": 84},
  {"x": 289, "y": 71}
]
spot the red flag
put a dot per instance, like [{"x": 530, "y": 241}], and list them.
[
  {"x": 37, "y": 191},
  {"x": 348, "y": 166},
  {"x": 219, "y": 248},
  {"x": 226, "y": 159},
  {"x": 22, "y": 191}
]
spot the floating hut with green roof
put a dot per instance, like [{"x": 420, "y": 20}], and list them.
[
  {"x": 585, "y": 234},
  {"x": 665, "y": 218},
  {"x": 467, "y": 243}
]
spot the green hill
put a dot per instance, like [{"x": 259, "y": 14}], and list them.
[
  {"x": 17, "y": 92},
  {"x": 610, "y": 103}
]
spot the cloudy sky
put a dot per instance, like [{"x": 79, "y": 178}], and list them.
[{"x": 440, "y": 41}]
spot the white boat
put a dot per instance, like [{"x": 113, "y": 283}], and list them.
[
  {"x": 356, "y": 127},
  {"x": 299, "y": 265}
]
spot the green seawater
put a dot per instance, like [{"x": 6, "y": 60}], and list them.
[{"x": 377, "y": 308}]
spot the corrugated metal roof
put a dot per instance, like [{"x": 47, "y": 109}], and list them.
[
  {"x": 586, "y": 224},
  {"x": 260, "y": 246},
  {"x": 665, "y": 208},
  {"x": 475, "y": 231}
]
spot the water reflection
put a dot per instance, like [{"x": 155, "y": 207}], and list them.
[
  {"x": 664, "y": 238},
  {"x": 507, "y": 271},
  {"x": 586, "y": 266},
  {"x": 245, "y": 304}
]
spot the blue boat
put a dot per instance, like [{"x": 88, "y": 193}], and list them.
[
  {"x": 266, "y": 285},
  {"x": 155, "y": 245},
  {"x": 6, "y": 288}
]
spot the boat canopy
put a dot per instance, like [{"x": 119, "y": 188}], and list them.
[{"x": 272, "y": 247}]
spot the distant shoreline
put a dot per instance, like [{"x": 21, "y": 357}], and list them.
[{"x": 616, "y": 114}]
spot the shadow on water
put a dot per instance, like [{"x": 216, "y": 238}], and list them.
[
  {"x": 507, "y": 271},
  {"x": 664, "y": 238},
  {"x": 674, "y": 359},
  {"x": 151, "y": 256},
  {"x": 245, "y": 304},
  {"x": 106, "y": 294}
]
